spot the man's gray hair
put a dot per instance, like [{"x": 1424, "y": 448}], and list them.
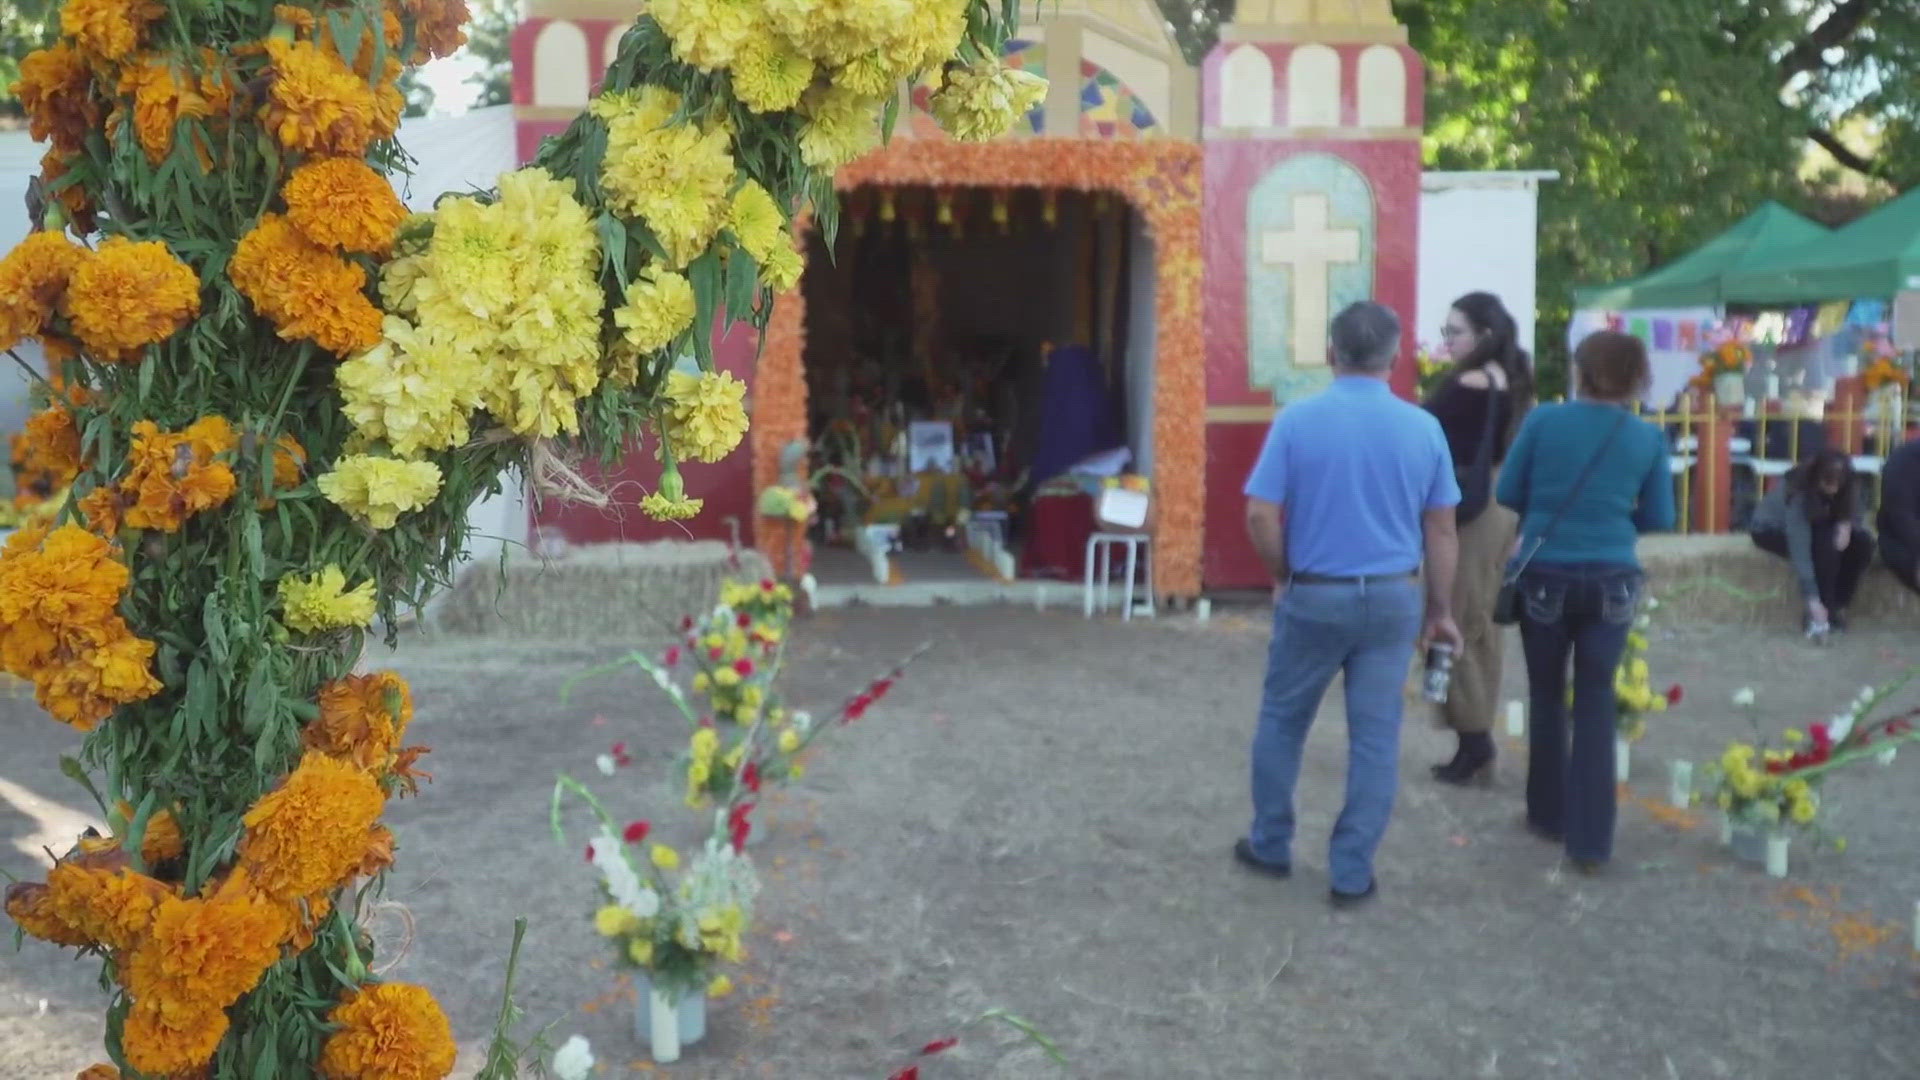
[{"x": 1365, "y": 338}]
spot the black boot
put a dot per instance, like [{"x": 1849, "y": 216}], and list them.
[{"x": 1472, "y": 764}]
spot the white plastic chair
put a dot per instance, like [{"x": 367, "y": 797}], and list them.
[{"x": 1100, "y": 571}]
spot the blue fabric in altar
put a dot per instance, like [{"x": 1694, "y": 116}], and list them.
[{"x": 1077, "y": 417}]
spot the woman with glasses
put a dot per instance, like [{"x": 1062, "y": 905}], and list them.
[{"x": 1479, "y": 405}]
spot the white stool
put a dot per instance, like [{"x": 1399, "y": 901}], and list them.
[{"x": 1100, "y": 569}]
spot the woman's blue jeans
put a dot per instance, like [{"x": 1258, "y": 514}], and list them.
[{"x": 1575, "y": 618}]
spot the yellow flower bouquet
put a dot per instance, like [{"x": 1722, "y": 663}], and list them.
[{"x": 1635, "y": 699}]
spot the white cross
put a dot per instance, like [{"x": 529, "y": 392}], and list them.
[{"x": 1310, "y": 250}]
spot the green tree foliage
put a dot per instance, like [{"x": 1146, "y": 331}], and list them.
[{"x": 490, "y": 40}]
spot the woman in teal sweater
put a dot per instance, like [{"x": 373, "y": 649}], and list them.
[{"x": 1587, "y": 478}]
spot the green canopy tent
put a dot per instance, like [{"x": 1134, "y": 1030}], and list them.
[
  {"x": 1875, "y": 258},
  {"x": 1698, "y": 279}
]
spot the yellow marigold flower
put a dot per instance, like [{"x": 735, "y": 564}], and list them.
[
  {"x": 377, "y": 490},
  {"x": 310, "y": 835},
  {"x": 707, "y": 33},
  {"x": 841, "y": 126},
  {"x": 783, "y": 269},
  {"x": 56, "y": 90},
  {"x": 108, "y": 29},
  {"x": 705, "y": 415},
  {"x": 305, "y": 290},
  {"x": 615, "y": 921},
  {"x": 659, "y": 308},
  {"x": 769, "y": 75},
  {"x": 342, "y": 203},
  {"x": 388, "y": 1031},
  {"x": 362, "y": 719},
  {"x": 665, "y": 857},
  {"x": 984, "y": 100},
  {"x": 760, "y": 226},
  {"x": 169, "y": 1043},
  {"x": 1803, "y": 811},
  {"x": 661, "y": 508},
  {"x": 726, "y": 677},
  {"x": 33, "y": 282},
  {"x": 317, "y": 104},
  {"x": 640, "y": 951},
  {"x": 163, "y": 95},
  {"x": 720, "y": 987},
  {"x": 701, "y": 682},
  {"x": 322, "y": 601},
  {"x": 675, "y": 179},
  {"x": 129, "y": 295}
]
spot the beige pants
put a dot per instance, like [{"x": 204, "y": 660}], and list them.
[{"x": 1485, "y": 545}]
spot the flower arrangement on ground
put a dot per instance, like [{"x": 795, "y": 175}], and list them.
[
  {"x": 274, "y": 395},
  {"x": 1635, "y": 699},
  {"x": 1768, "y": 787}
]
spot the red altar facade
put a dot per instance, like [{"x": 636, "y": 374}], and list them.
[{"x": 1312, "y": 114}]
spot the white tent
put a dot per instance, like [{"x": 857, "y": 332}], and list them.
[{"x": 452, "y": 154}]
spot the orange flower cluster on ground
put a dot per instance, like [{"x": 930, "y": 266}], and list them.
[
  {"x": 306, "y": 290},
  {"x": 60, "y": 627}
]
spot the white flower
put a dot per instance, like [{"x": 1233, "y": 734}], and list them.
[
  {"x": 802, "y": 722},
  {"x": 1885, "y": 757},
  {"x": 1653, "y": 604},
  {"x": 1840, "y": 727},
  {"x": 809, "y": 584},
  {"x": 574, "y": 1059},
  {"x": 605, "y": 764},
  {"x": 646, "y": 904},
  {"x": 1744, "y": 697},
  {"x": 609, "y": 856}
]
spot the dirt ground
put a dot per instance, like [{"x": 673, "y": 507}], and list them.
[{"x": 1040, "y": 820}]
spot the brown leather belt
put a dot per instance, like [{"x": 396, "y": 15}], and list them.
[{"x": 1370, "y": 579}]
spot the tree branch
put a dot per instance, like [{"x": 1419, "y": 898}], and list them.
[
  {"x": 1844, "y": 154},
  {"x": 1839, "y": 27}
]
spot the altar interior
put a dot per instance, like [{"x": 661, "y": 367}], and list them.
[{"x": 979, "y": 369}]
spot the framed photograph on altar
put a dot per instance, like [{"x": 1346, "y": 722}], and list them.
[
  {"x": 930, "y": 446},
  {"x": 980, "y": 451}
]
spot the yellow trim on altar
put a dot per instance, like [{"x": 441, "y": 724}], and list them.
[{"x": 1241, "y": 414}]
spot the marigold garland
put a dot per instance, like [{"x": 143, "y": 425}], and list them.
[
  {"x": 33, "y": 282},
  {"x": 307, "y": 291},
  {"x": 362, "y": 720},
  {"x": 60, "y": 628},
  {"x": 311, "y": 835},
  {"x": 388, "y": 1031},
  {"x": 130, "y": 294},
  {"x": 56, "y": 90},
  {"x": 342, "y": 203}
]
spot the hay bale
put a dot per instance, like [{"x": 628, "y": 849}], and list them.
[
  {"x": 630, "y": 594},
  {"x": 1726, "y": 580}
]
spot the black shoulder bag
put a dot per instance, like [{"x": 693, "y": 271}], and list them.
[
  {"x": 1476, "y": 487},
  {"x": 1506, "y": 606}
]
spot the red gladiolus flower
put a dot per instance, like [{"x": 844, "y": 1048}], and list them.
[
  {"x": 750, "y": 776},
  {"x": 857, "y": 708},
  {"x": 589, "y": 852},
  {"x": 716, "y": 653},
  {"x": 686, "y": 623},
  {"x": 766, "y": 584},
  {"x": 744, "y": 666},
  {"x": 620, "y": 755},
  {"x": 637, "y": 832},
  {"x": 939, "y": 1045},
  {"x": 1675, "y": 694},
  {"x": 673, "y": 656},
  {"x": 743, "y": 620},
  {"x": 739, "y": 827},
  {"x": 879, "y": 689},
  {"x": 911, "y": 1072},
  {"x": 1822, "y": 736}
]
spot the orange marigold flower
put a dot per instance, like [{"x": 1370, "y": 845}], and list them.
[
  {"x": 129, "y": 295},
  {"x": 177, "y": 475},
  {"x": 437, "y": 27},
  {"x": 161, "y": 1042},
  {"x": 342, "y": 203},
  {"x": 163, "y": 95},
  {"x": 162, "y": 840},
  {"x": 98, "y": 1072},
  {"x": 308, "y": 914},
  {"x": 289, "y": 465},
  {"x": 50, "y": 443},
  {"x": 103, "y": 508},
  {"x": 317, "y": 104},
  {"x": 204, "y": 952},
  {"x": 30, "y": 906},
  {"x": 117, "y": 668},
  {"x": 56, "y": 90},
  {"x": 304, "y": 289},
  {"x": 108, "y": 29},
  {"x": 362, "y": 718},
  {"x": 388, "y": 1031},
  {"x": 111, "y": 908},
  {"x": 310, "y": 835},
  {"x": 33, "y": 280},
  {"x": 60, "y": 627}
]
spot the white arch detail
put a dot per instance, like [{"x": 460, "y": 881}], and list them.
[
  {"x": 1246, "y": 89},
  {"x": 1382, "y": 85},
  {"x": 1313, "y": 87},
  {"x": 560, "y": 76}
]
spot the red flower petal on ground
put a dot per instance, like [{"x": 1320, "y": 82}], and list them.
[
  {"x": 744, "y": 666},
  {"x": 939, "y": 1045},
  {"x": 879, "y": 689},
  {"x": 857, "y": 708},
  {"x": 637, "y": 832},
  {"x": 673, "y": 656},
  {"x": 1676, "y": 694},
  {"x": 911, "y": 1072},
  {"x": 750, "y": 777}
]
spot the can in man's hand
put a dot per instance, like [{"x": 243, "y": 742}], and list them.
[{"x": 1439, "y": 675}]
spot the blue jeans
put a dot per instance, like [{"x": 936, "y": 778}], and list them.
[
  {"x": 1367, "y": 631},
  {"x": 1582, "y": 613}
]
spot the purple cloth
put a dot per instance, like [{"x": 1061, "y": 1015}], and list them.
[{"x": 1076, "y": 413}]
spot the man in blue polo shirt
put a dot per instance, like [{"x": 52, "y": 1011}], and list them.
[{"x": 1352, "y": 489}]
